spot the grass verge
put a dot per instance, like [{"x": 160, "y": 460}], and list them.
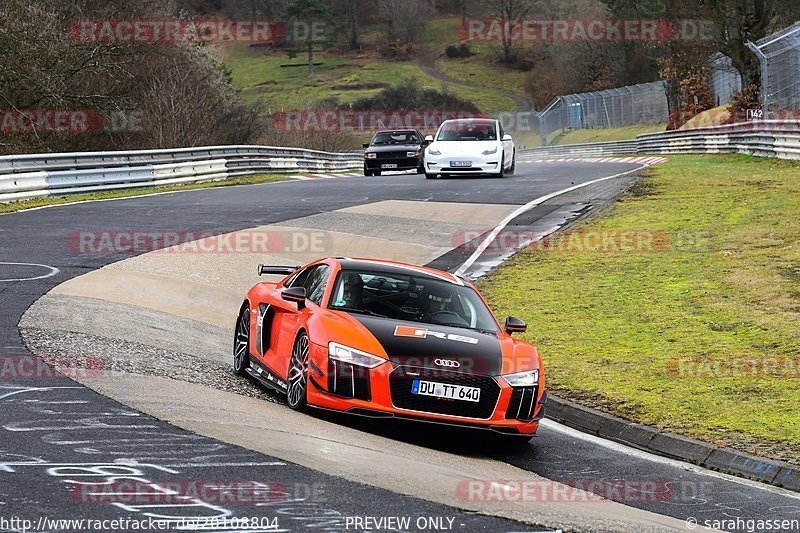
[
  {"x": 605, "y": 135},
  {"x": 11, "y": 207},
  {"x": 699, "y": 337}
]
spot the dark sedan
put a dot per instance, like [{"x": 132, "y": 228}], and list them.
[{"x": 393, "y": 150}]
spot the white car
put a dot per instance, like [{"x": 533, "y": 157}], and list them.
[{"x": 470, "y": 146}]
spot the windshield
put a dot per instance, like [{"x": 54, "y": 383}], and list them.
[
  {"x": 468, "y": 131},
  {"x": 399, "y": 137},
  {"x": 411, "y": 298}
]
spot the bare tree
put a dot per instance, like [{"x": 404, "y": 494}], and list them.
[
  {"x": 403, "y": 20},
  {"x": 351, "y": 11},
  {"x": 180, "y": 94},
  {"x": 509, "y": 14}
]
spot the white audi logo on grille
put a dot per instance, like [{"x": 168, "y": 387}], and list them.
[{"x": 447, "y": 362}]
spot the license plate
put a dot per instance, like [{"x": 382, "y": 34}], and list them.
[
  {"x": 389, "y": 165},
  {"x": 460, "y": 163},
  {"x": 443, "y": 390}
]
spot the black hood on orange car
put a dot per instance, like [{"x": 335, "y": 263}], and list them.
[{"x": 417, "y": 344}]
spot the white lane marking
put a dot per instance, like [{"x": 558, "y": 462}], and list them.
[
  {"x": 640, "y": 454},
  {"x": 21, "y": 390},
  {"x": 524, "y": 209},
  {"x": 53, "y": 271},
  {"x": 217, "y": 465}
]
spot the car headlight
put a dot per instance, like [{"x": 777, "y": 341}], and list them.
[
  {"x": 372, "y": 155},
  {"x": 412, "y": 154},
  {"x": 434, "y": 151},
  {"x": 529, "y": 378},
  {"x": 345, "y": 354},
  {"x": 490, "y": 152}
]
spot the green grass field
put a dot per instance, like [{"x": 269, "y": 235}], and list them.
[
  {"x": 725, "y": 290},
  {"x": 481, "y": 70},
  {"x": 260, "y": 76},
  {"x": 439, "y": 33}
]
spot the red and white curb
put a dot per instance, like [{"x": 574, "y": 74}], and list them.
[
  {"x": 644, "y": 160},
  {"x": 324, "y": 176}
]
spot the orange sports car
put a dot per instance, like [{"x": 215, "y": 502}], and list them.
[{"x": 386, "y": 339}]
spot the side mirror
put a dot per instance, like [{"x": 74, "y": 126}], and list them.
[
  {"x": 279, "y": 270},
  {"x": 365, "y": 145},
  {"x": 515, "y": 325},
  {"x": 507, "y": 137},
  {"x": 296, "y": 295},
  {"x": 429, "y": 138}
]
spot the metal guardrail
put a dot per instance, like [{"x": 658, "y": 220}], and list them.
[
  {"x": 581, "y": 150},
  {"x": 38, "y": 175},
  {"x": 768, "y": 138}
]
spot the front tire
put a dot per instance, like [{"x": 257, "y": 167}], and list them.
[
  {"x": 430, "y": 176},
  {"x": 297, "y": 376},
  {"x": 502, "y": 173},
  {"x": 513, "y": 163},
  {"x": 241, "y": 343}
]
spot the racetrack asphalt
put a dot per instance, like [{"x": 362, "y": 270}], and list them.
[{"x": 41, "y": 237}]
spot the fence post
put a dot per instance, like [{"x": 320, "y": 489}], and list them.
[{"x": 763, "y": 63}]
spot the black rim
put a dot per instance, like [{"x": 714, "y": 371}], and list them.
[
  {"x": 298, "y": 372},
  {"x": 242, "y": 340}
]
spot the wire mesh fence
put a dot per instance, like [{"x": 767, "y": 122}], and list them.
[
  {"x": 724, "y": 80},
  {"x": 614, "y": 108},
  {"x": 779, "y": 55}
]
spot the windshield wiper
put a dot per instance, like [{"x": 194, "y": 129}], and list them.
[{"x": 461, "y": 326}]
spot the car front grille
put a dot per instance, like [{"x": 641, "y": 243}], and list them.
[
  {"x": 393, "y": 155},
  {"x": 402, "y": 378},
  {"x": 522, "y": 404}
]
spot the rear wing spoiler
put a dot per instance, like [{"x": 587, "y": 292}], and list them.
[{"x": 282, "y": 270}]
